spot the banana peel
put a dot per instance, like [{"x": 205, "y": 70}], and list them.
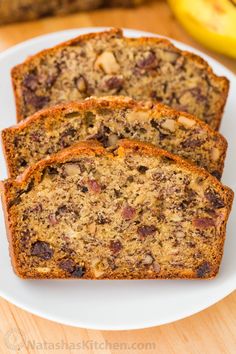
[{"x": 211, "y": 22}]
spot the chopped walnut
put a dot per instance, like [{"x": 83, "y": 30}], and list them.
[
  {"x": 72, "y": 169},
  {"x": 215, "y": 154},
  {"x": 188, "y": 123},
  {"x": 81, "y": 83},
  {"x": 107, "y": 62},
  {"x": 97, "y": 267},
  {"x": 148, "y": 259},
  {"x": 169, "y": 124}
]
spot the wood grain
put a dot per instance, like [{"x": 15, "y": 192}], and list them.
[{"x": 212, "y": 331}]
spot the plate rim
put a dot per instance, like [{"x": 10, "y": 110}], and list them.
[{"x": 136, "y": 326}]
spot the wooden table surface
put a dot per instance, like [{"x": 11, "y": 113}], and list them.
[{"x": 212, "y": 331}]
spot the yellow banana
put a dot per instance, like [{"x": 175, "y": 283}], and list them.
[{"x": 211, "y": 22}]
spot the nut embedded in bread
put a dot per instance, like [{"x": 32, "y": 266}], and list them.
[
  {"x": 108, "y": 63},
  {"x": 107, "y": 120},
  {"x": 136, "y": 212}
]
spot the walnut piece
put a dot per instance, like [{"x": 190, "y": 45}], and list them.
[
  {"x": 148, "y": 259},
  {"x": 107, "y": 62},
  {"x": 81, "y": 84},
  {"x": 112, "y": 139},
  {"x": 137, "y": 116},
  {"x": 170, "y": 56},
  {"x": 188, "y": 123},
  {"x": 215, "y": 154},
  {"x": 169, "y": 124},
  {"x": 43, "y": 270},
  {"x": 72, "y": 169},
  {"x": 97, "y": 267}
]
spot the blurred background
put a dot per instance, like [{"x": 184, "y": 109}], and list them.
[{"x": 208, "y": 25}]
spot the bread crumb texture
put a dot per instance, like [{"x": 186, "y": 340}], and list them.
[
  {"x": 107, "y": 120},
  {"x": 132, "y": 213},
  {"x": 109, "y": 64}
]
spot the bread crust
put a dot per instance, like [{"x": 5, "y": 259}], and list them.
[
  {"x": 110, "y": 102},
  {"x": 11, "y": 186},
  {"x": 18, "y": 70}
]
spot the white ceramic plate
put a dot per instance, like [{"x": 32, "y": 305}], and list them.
[{"x": 114, "y": 305}]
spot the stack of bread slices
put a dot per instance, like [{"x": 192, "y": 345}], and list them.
[{"x": 115, "y": 163}]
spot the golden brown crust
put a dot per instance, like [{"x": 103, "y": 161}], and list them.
[
  {"x": 9, "y": 231},
  {"x": 10, "y": 188},
  {"x": 111, "y": 102},
  {"x": 150, "y": 150},
  {"x": 222, "y": 81}
]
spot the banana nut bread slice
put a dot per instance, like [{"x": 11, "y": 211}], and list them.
[
  {"x": 107, "y": 119},
  {"x": 108, "y": 63},
  {"x": 133, "y": 212}
]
